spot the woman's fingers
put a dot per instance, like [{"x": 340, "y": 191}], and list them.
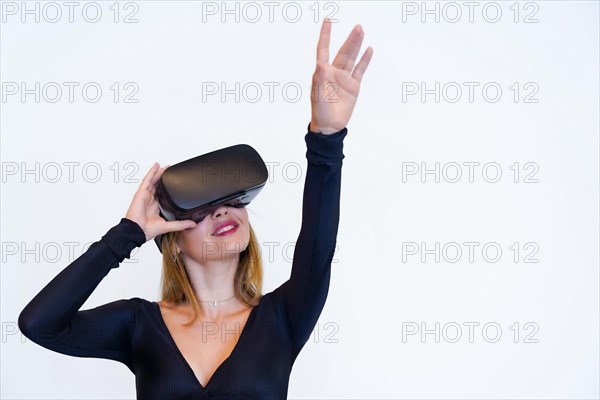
[
  {"x": 362, "y": 65},
  {"x": 148, "y": 178},
  {"x": 156, "y": 177},
  {"x": 174, "y": 226},
  {"x": 323, "y": 44},
  {"x": 347, "y": 54},
  {"x": 149, "y": 181}
]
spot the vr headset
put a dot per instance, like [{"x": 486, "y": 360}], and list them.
[{"x": 194, "y": 188}]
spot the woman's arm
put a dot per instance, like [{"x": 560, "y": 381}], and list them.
[
  {"x": 52, "y": 319},
  {"x": 334, "y": 92},
  {"x": 303, "y": 296}
]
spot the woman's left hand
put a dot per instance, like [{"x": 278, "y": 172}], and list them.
[{"x": 335, "y": 86}]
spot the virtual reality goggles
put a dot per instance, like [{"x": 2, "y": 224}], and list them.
[{"x": 194, "y": 188}]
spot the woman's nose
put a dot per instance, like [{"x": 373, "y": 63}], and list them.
[{"x": 220, "y": 210}]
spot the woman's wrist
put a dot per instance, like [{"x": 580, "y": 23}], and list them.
[{"x": 324, "y": 130}]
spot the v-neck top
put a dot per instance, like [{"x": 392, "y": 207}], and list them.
[{"x": 132, "y": 331}]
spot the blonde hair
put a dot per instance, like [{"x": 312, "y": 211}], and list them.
[{"x": 176, "y": 286}]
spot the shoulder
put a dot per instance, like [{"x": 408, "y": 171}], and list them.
[{"x": 137, "y": 303}]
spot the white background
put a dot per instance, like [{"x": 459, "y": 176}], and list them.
[{"x": 375, "y": 295}]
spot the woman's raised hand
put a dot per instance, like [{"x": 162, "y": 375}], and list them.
[
  {"x": 144, "y": 208},
  {"x": 335, "y": 86}
]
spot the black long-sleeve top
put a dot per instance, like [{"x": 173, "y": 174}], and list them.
[{"x": 132, "y": 331}]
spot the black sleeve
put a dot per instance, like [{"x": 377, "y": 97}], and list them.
[
  {"x": 303, "y": 296},
  {"x": 52, "y": 319}
]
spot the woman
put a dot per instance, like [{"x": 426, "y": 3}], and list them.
[{"x": 214, "y": 334}]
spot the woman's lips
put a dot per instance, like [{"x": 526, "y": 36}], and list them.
[{"x": 231, "y": 231}]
